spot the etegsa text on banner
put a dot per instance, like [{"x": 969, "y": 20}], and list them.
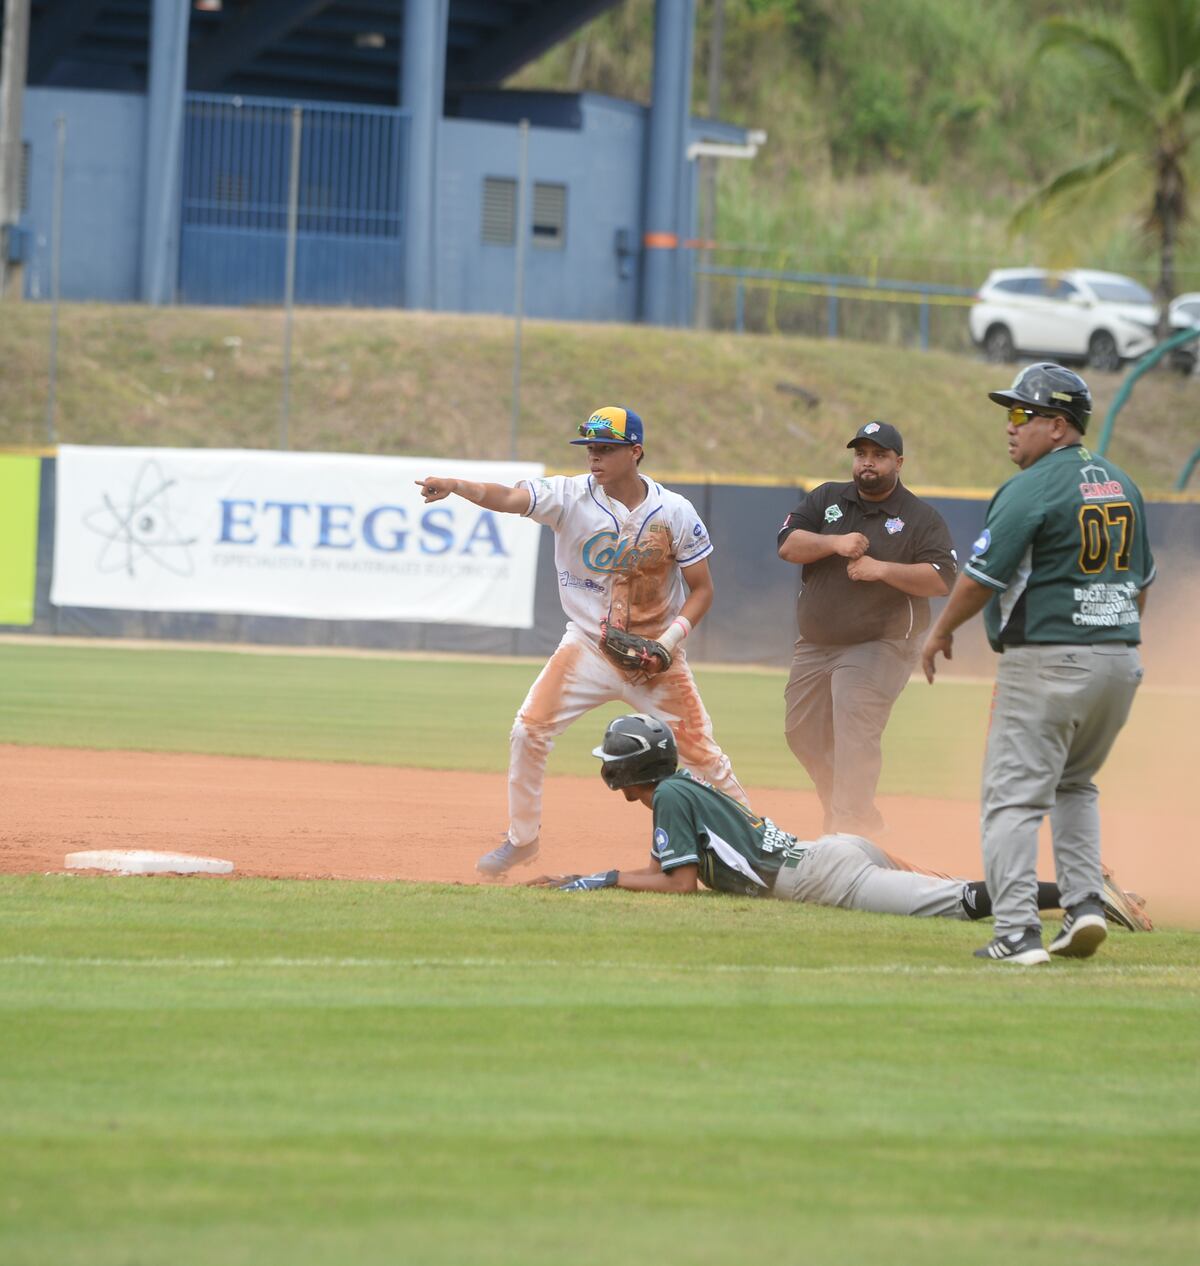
[{"x": 326, "y": 536}]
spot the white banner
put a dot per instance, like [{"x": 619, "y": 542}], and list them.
[{"x": 324, "y": 535}]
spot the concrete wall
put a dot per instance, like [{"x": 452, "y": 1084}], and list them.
[
  {"x": 594, "y": 145},
  {"x": 600, "y": 164},
  {"x": 102, "y": 192}
]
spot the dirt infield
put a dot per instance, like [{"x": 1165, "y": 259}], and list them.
[{"x": 304, "y": 820}]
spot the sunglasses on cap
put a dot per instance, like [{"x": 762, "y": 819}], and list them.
[
  {"x": 1018, "y": 415},
  {"x": 603, "y": 429}
]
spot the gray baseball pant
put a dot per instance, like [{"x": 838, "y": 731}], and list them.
[
  {"x": 1056, "y": 712},
  {"x": 838, "y": 702},
  {"x": 848, "y": 871}
]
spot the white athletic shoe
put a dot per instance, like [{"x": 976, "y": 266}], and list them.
[{"x": 501, "y": 860}]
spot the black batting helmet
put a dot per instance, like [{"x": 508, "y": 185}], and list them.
[
  {"x": 637, "y": 749},
  {"x": 1052, "y": 389}
]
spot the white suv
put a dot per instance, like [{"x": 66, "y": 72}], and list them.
[
  {"x": 1184, "y": 314},
  {"x": 1100, "y": 318}
]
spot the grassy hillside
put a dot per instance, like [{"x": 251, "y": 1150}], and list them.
[
  {"x": 902, "y": 133},
  {"x": 440, "y": 386}
]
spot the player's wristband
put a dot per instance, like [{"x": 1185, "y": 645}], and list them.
[{"x": 675, "y": 632}]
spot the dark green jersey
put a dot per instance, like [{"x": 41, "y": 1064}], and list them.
[
  {"x": 1065, "y": 548},
  {"x": 736, "y": 850}
]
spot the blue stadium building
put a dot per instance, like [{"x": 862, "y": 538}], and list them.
[{"x": 181, "y": 117}]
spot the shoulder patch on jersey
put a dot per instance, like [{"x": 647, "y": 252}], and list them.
[
  {"x": 833, "y": 513},
  {"x": 698, "y": 530},
  {"x": 982, "y": 541},
  {"x": 661, "y": 839}
]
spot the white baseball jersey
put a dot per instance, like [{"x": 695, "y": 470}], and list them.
[{"x": 606, "y": 554}]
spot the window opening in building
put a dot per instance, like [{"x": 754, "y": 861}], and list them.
[
  {"x": 549, "y": 216},
  {"x": 499, "y": 211}
]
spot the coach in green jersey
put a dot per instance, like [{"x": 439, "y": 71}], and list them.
[
  {"x": 703, "y": 836},
  {"x": 1060, "y": 571}
]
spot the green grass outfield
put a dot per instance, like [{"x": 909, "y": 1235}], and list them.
[
  {"x": 261, "y": 1073},
  {"x": 456, "y": 714},
  {"x": 264, "y": 1072}
]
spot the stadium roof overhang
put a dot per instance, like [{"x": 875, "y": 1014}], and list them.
[{"x": 349, "y": 50}]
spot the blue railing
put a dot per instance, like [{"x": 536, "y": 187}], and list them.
[
  {"x": 349, "y": 224},
  {"x": 834, "y": 287}
]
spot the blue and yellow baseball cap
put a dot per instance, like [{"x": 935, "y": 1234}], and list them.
[{"x": 611, "y": 425}]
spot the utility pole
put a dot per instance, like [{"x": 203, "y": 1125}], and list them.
[
  {"x": 14, "y": 58},
  {"x": 519, "y": 282},
  {"x": 289, "y": 276},
  {"x": 708, "y": 167}
]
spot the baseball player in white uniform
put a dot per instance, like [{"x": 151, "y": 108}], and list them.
[{"x": 630, "y": 557}]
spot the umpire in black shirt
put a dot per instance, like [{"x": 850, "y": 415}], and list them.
[{"x": 873, "y": 555}]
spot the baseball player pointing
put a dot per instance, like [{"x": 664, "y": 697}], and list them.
[{"x": 633, "y": 582}]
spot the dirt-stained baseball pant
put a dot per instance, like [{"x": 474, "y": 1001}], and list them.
[
  {"x": 838, "y": 702},
  {"x": 848, "y": 871},
  {"x": 1056, "y": 712},
  {"x": 578, "y": 678}
]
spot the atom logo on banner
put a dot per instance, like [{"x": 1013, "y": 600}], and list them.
[{"x": 143, "y": 527}]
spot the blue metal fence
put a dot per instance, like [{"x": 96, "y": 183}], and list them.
[
  {"x": 833, "y": 289},
  {"x": 349, "y": 244}
]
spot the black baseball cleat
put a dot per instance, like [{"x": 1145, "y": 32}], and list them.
[
  {"x": 501, "y": 860},
  {"x": 1083, "y": 930},
  {"x": 1023, "y": 948}
]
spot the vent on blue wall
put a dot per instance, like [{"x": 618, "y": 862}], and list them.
[
  {"x": 499, "y": 211},
  {"x": 549, "y": 216}
]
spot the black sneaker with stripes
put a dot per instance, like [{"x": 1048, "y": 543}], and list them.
[
  {"x": 1022, "y": 948},
  {"x": 1084, "y": 928}
]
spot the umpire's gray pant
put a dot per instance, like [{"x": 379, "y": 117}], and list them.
[
  {"x": 848, "y": 871},
  {"x": 838, "y": 701},
  {"x": 1056, "y": 712}
]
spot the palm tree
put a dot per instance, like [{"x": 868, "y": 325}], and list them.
[{"x": 1150, "y": 89}]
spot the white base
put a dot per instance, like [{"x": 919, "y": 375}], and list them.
[{"x": 138, "y": 861}]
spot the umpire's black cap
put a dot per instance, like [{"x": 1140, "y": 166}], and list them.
[{"x": 882, "y": 433}]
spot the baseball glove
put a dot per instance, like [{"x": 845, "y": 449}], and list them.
[
  {"x": 588, "y": 883},
  {"x": 631, "y": 653}
]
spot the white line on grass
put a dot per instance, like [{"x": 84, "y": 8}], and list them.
[{"x": 510, "y": 964}]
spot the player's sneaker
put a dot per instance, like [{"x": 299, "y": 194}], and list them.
[
  {"x": 1083, "y": 930},
  {"x": 1125, "y": 909},
  {"x": 1024, "y": 948},
  {"x": 501, "y": 860}
]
